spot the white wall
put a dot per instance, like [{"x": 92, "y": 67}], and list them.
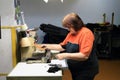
[
  {"x": 91, "y": 11},
  {"x": 7, "y": 12}
]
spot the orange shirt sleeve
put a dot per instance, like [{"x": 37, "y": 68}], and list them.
[{"x": 86, "y": 43}]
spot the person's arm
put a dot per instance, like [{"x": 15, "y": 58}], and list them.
[
  {"x": 53, "y": 46},
  {"x": 74, "y": 56}
]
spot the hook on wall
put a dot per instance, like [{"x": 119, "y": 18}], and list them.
[{"x": 46, "y": 1}]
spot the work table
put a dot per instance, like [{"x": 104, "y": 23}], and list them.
[{"x": 36, "y": 71}]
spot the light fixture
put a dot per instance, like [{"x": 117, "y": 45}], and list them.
[
  {"x": 62, "y": 1},
  {"x": 46, "y": 1},
  {"x": 27, "y": 42}
]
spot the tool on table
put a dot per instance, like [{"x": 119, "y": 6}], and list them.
[
  {"x": 48, "y": 55},
  {"x": 33, "y": 61},
  {"x": 54, "y": 68}
]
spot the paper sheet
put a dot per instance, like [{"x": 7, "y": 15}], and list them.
[{"x": 62, "y": 62}]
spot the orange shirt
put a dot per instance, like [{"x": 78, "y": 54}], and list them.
[{"x": 84, "y": 38}]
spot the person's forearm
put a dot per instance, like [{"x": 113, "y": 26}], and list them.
[
  {"x": 53, "y": 46},
  {"x": 77, "y": 56},
  {"x": 73, "y": 56}
]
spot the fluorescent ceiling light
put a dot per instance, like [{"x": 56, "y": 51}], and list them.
[
  {"x": 62, "y": 1},
  {"x": 46, "y": 1}
]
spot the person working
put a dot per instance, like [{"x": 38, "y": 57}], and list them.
[{"x": 78, "y": 49}]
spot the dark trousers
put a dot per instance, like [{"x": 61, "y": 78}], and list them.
[
  {"x": 83, "y": 78},
  {"x": 79, "y": 76}
]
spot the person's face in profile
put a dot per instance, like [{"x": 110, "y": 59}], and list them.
[{"x": 70, "y": 28}]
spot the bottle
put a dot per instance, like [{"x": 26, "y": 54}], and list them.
[{"x": 48, "y": 55}]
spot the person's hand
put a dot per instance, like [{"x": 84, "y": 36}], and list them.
[
  {"x": 40, "y": 46},
  {"x": 43, "y": 46},
  {"x": 62, "y": 56}
]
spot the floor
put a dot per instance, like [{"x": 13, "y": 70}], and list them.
[{"x": 108, "y": 70}]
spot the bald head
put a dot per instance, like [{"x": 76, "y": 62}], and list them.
[
  {"x": 68, "y": 18},
  {"x": 74, "y": 20}
]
